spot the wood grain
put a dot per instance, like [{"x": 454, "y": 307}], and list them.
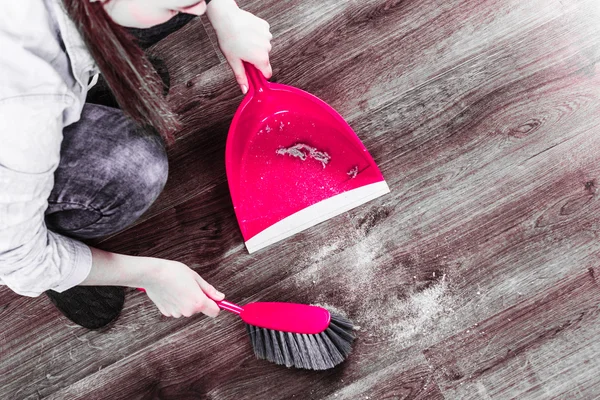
[
  {"x": 523, "y": 345},
  {"x": 183, "y": 64},
  {"x": 474, "y": 278}
]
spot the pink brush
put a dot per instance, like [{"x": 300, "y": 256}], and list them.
[
  {"x": 284, "y": 317},
  {"x": 295, "y": 335},
  {"x": 298, "y": 335}
]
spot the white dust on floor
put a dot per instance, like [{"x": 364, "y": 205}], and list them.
[
  {"x": 333, "y": 310},
  {"x": 394, "y": 309},
  {"x": 418, "y": 313},
  {"x": 355, "y": 252}
]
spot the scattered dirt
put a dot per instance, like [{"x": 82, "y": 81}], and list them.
[
  {"x": 304, "y": 151},
  {"x": 386, "y": 307},
  {"x": 353, "y": 172}
]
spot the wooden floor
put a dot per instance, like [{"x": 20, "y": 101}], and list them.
[{"x": 476, "y": 278}]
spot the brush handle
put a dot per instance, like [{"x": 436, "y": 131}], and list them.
[
  {"x": 227, "y": 306},
  {"x": 284, "y": 317}
]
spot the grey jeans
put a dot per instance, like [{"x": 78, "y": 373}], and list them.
[{"x": 110, "y": 172}]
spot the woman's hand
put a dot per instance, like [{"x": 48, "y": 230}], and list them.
[
  {"x": 242, "y": 37},
  {"x": 177, "y": 290}
]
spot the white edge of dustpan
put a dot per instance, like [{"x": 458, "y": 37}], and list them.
[{"x": 316, "y": 214}]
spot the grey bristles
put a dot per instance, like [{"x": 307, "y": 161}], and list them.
[{"x": 318, "y": 352}]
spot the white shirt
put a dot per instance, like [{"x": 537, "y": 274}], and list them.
[{"x": 44, "y": 73}]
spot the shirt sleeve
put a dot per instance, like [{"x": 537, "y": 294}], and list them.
[{"x": 32, "y": 258}]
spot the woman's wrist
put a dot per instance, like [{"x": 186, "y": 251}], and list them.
[
  {"x": 114, "y": 269},
  {"x": 145, "y": 271},
  {"x": 218, "y": 9}
]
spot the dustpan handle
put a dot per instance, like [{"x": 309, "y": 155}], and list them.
[{"x": 256, "y": 79}]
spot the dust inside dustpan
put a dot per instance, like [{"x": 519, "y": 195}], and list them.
[{"x": 293, "y": 162}]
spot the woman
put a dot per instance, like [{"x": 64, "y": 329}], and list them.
[{"x": 71, "y": 170}]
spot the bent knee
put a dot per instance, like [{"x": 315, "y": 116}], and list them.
[
  {"x": 149, "y": 160},
  {"x": 139, "y": 170},
  {"x": 146, "y": 171}
]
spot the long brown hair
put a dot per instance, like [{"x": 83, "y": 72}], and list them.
[{"x": 130, "y": 76}]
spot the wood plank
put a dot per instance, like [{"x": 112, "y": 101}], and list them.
[
  {"x": 393, "y": 382},
  {"x": 458, "y": 86},
  {"x": 537, "y": 348},
  {"x": 184, "y": 65},
  {"x": 416, "y": 303},
  {"x": 484, "y": 118},
  {"x": 42, "y": 351},
  {"x": 397, "y": 381}
]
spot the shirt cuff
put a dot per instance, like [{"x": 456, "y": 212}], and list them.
[{"x": 81, "y": 265}]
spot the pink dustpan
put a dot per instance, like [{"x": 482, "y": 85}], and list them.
[{"x": 293, "y": 162}]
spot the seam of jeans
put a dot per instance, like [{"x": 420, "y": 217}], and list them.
[{"x": 83, "y": 206}]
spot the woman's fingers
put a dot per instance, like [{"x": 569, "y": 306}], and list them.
[
  {"x": 240, "y": 73},
  {"x": 179, "y": 291},
  {"x": 258, "y": 56},
  {"x": 207, "y": 307},
  {"x": 265, "y": 68},
  {"x": 209, "y": 289},
  {"x": 163, "y": 311}
]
